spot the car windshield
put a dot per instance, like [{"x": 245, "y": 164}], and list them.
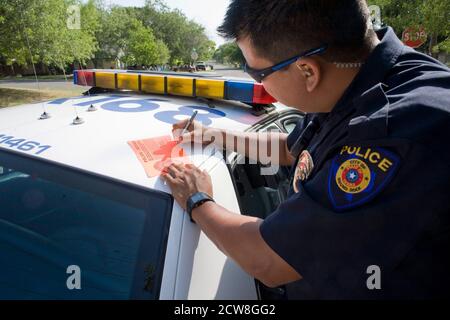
[{"x": 61, "y": 228}]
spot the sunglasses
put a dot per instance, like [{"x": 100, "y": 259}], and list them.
[{"x": 260, "y": 74}]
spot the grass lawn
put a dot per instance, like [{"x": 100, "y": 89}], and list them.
[
  {"x": 32, "y": 78},
  {"x": 13, "y": 97}
]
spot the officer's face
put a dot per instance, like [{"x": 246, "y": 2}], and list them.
[{"x": 288, "y": 85}]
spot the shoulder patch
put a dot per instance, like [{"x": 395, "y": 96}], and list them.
[
  {"x": 358, "y": 174},
  {"x": 303, "y": 169}
]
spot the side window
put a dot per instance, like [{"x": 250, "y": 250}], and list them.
[
  {"x": 289, "y": 123},
  {"x": 53, "y": 218},
  {"x": 289, "y": 126},
  {"x": 260, "y": 195},
  {"x": 272, "y": 128}
]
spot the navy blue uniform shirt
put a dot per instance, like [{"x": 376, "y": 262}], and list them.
[{"x": 372, "y": 186}]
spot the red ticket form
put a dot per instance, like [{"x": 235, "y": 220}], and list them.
[{"x": 157, "y": 153}]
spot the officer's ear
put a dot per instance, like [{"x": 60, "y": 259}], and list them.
[{"x": 310, "y": 71}]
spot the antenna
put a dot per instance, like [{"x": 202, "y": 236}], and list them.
[
  {"x": 78, "y": 120},
  {"x": 45, "y": 115},
  {"x": 92, "y": 108}
]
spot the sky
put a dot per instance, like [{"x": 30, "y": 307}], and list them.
[{"x": 210, "y": 14}]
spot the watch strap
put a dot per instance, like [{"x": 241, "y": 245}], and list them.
[{"x": 196, "y": 200}]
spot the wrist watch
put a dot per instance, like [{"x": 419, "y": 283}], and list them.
[{"x": 195, "y": 201}]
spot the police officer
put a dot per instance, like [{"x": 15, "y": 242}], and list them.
[{"x": 368, "y": 211}]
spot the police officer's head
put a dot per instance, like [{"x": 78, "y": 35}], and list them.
[{"x": 335, "y": 35}]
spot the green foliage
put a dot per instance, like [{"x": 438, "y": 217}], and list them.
[
  {"x": 143, "y": 49},
  {"x": 180, "y": 34},
  {"x": 444, "y": 45},
  {"x": 434, "y": 15},
  {"x": 124, "y": 37},
  {"x": 156, "y": 34},
  {"x": 152, "y": 35},
  {"x": 229, "y": 53},
  {"x": 43, "y": 25}
]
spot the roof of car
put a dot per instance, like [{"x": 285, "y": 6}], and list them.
[{"x": 100, "y": 144}]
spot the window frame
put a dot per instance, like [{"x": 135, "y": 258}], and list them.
[{"x": 276, "y": 119}]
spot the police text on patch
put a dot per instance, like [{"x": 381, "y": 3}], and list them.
[{"x": 374, "y": 157}]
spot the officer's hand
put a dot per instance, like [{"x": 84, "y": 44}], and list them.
[
  {"x": 185, "y": 180},
  {"x": 196, "y": 132}
]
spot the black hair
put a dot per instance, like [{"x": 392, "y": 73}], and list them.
[{"x": 280, "y": 29}]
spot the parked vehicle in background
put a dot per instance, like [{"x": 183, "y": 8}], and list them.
[
  {"x": 202, "y": 66},
  {"x": 184, "y": 68}
]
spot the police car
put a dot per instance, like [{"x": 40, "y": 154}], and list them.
[{"x": 79, "y": 217}]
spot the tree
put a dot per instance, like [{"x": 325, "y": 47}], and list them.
[
  {"x": 436, "y": 20},
  {"x": 114, "y": 29},
  {"x": 143, "y": 49},
  {"x": 40, "y": 27},
  {"x": 229, "y": 53},
  {"x": 195, "y": 38},
  {"x": 434, "y": 15},
  {"x": 150, "y": 35},
  {"x": 124, "y": 37},
  {"x": 179, "y": 33},
  {"x": 206, "y": 49}
]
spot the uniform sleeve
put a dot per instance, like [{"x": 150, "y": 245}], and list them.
[{"x": 365, "y": 206}]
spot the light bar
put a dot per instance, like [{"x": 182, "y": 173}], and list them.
[
  {"x": 238, "y": 90},
  {"x": 128, "y": 81}
]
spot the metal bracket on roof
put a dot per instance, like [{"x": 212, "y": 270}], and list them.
[
  {"x": 45, "y": 116},
  {"x": 77, "y": 121},
  {"x": 96, "y": 90},
  {"x": 261, "y": 109},
  {"x": 208, "y": 102}
]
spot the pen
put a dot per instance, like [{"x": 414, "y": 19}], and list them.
[{"x": 191, "y": 120}]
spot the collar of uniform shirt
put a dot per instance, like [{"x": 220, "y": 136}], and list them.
[{"x": 376, "y": 67}]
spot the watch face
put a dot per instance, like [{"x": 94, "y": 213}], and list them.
[{"x": 197, "y": 199}]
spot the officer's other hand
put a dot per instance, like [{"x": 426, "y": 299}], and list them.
[
  {"x": 195, "y": 133},
  {"x": 185, "y": 180}
]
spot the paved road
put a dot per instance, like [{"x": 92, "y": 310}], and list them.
[{"x": 230, "y": 72}]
